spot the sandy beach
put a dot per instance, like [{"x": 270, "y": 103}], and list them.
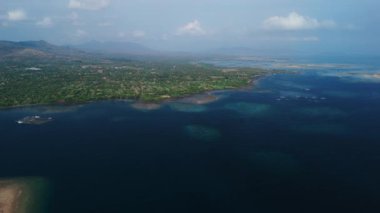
[
  {"x": 11, "y": 193},
  {"x": 22, "y": 195}
]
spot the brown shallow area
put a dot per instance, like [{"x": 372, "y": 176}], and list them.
[
  {"x": 23, "y": 195},
  {"x": 145, "y": 106},
  {"x": 11, "y": 193},
  {"x": 201, "y": 99}
]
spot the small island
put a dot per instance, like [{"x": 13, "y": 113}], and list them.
[
  {"x": 35, "y": 120},
  {"x": 35, "y": 82}
]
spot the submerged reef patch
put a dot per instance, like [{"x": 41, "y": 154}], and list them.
[
  {"x": 296, "y": 94},
  {"x": 186, "y": 107},
  {"x": 145, "y": 106},
  {"x": 201, "y": 99},
  {"x": 250, "y": 109},
  {"x": 340, "y": 94},
  {"x": 327, "y": 112},
  {"x": 203, "y": 133},
  {"x": 356, "y": 77},
  {"x": 293, "y": 85},
  {"x": 53, "y": 109}
]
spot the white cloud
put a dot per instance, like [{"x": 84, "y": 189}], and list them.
[
  {"x": 16, "y": 15},
  {"x": 45, "y": 22},
  {"x": 80, "y": 33},
  {"x": 138, "y": 34},
  {"x": 295, "y": 21},
  {"x": 88, "y": 4},
  {"x": 192, "y": 28}
]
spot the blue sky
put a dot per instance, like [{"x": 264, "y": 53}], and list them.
[{"x": 345, "y": 26}]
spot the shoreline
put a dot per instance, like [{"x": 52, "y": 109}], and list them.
[
  {"x": 252, "y": 83},
  {"x": 21, "y": 195}
]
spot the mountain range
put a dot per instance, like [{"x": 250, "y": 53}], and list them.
[
  {"x": 10, "y": 50},
  {"x": 24, "y": 50}
]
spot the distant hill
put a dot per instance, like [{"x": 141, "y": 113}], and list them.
[
  {"x": 10, "y": 50},
  {"x": 103, "y": 51},
  {"x": 117, "y": 48}
]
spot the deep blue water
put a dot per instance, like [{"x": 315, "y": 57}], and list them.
[{"x": 306, "y": 142}]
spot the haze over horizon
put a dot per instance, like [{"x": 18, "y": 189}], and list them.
[{"x": 271, "y": 26}]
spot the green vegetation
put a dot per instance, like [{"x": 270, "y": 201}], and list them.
[{"x": 32, "y": 82}]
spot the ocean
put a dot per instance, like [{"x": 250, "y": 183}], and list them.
[{"x": 303, "y": 141}]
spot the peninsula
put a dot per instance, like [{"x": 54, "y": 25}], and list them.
[{"x": 48, "y": 78}]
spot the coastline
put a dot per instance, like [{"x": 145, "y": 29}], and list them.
[
  {"x": 23, "y": 195},
  {"x": 251, "y": 84}
]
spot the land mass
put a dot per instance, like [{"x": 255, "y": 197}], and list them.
[
  {"x": 76, "y": 79},
  {"x": 23, "y": 195}
]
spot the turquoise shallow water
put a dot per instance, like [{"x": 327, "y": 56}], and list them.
[{"x": 305, "y": 142}]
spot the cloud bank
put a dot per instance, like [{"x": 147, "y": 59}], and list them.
[
  {"x": 45, "y": 22},
  {"x": 295, "y": 21},
  {"x": 16, "y": 15},
  {"x": 193, "y": 28},
  {"x": 88, "y": 4}
]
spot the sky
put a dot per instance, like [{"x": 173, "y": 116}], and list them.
[{"x": 339, "y": 26}]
